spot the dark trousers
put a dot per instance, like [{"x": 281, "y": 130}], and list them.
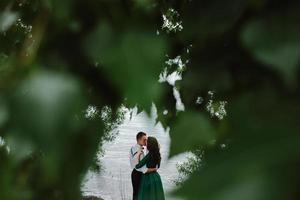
[{"x": 136, "y": 177}]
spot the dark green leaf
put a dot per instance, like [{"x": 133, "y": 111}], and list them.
[
  {"x": 190, "y": 132},
  {"x": 132, "y": 59},
  {"x": 274, "y": 40}
]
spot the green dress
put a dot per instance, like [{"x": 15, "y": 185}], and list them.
[{"x": 151, "y": 187}]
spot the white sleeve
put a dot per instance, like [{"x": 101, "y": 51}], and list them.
[
  {"x": 132, "y": 157},
  {"x": 135, "y": 160},
  {"x": 143, "y": 169}
]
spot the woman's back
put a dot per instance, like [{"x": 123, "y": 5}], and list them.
[{"x": 152, "y": 161}]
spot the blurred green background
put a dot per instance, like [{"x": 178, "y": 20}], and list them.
[{"x": 59, "y": 57}]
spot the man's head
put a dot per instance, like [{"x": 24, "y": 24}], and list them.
[{"x": 141, "y": 138}]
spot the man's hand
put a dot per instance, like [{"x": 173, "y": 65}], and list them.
[{"x": 139, "y": 153}]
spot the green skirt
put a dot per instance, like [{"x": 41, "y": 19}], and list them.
[{"x": 151, "y": 187}]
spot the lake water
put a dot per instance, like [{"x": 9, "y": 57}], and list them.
[{"x": 113, "y": 182}]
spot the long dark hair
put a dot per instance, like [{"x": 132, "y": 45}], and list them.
[{"x": 153, "y": 148}]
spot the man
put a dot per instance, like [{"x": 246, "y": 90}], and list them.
[{"x": 136, "y": 175}]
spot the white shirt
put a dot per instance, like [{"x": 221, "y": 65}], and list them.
[{"x": 134, "y": 159}]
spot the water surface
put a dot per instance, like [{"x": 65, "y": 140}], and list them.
[{"x": 113, "y": 182}]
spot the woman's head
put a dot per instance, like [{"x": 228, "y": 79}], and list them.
[
  {"x": 153, "y": 148},
  {"x": 152, "y": 144}
]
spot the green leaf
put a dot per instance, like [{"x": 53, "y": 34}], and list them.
[
  {"x": 191, "y": 131},
  {"x": 227, "y": 180},
  {"x": 274, "y": 40},
  {"x": 3, "y": 112},
  {"x": 7, "y": 19},
  {"x": 132, "y": 59},
  {"x": 145, "y": 4},
  {"x": 44, "y": 108},
  {"x": 263, "y": 146},
  {"x": 61, "y": 10},
  {"x": 205, "y": 19}
]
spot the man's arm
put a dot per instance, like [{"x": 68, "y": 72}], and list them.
[{"x": 149, "y": 170}]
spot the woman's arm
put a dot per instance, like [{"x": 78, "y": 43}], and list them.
[{"x": 142, "y": 162}]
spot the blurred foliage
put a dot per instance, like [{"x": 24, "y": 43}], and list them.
[
  {"x": 59, "y": 57},
  {"x": 111, "y": 121},
  {"x": 196, "y": 125},
  {"x": 193, "y": 163},
  {"x": 146, "y": 49}
]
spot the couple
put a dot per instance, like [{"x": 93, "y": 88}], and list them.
[{"x": 146, "y": 181}]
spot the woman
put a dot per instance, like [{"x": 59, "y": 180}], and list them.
[{"x": 151, "y": 186}]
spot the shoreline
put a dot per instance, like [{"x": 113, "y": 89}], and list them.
[{"x": 92, "y": 198}]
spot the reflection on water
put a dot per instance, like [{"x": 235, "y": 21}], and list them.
[{"x": 113, "y": 182}]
